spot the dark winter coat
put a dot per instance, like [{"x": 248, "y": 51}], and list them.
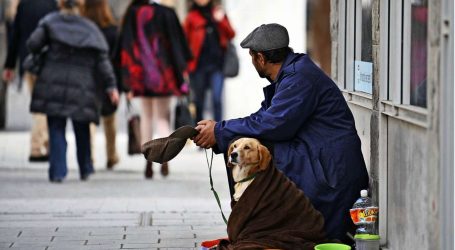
[
  {"x": 110, "y": 33},
  {"x": 76, "y": 68},
  {"x": 29, "y": 13},
  {"x": 153, "y": 51},
  {"x": 306, "y": 118}
]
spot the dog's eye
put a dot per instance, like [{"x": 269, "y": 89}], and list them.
[
  {"x": 235, "y": 146},
  {"x": 246, "y": 147}
]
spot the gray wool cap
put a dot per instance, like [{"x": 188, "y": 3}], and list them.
[{"x": 267, "y": 37}]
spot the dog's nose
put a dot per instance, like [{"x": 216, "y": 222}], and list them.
[{"x": 234, "y": 155}]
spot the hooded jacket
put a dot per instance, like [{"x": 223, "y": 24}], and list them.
[{"x": 76, "y": 68}]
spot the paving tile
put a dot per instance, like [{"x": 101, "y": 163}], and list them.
[
  {"x": 106, "y": 237},
  {"x": 176, "y": 234}
]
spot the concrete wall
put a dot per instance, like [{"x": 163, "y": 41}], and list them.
[{"x": 407, "y": 195}]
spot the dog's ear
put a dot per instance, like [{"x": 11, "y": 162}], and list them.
[
  {"x": 264, "y": 157},
  {"x": 231, "y": 147}
]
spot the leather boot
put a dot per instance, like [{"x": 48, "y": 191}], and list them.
[
  {"x": 148, "y": 171},
  {"x": 165, "y": 169}
]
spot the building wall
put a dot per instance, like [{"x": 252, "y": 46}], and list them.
[
  {"x": 401, "y": 142},
  {"x": 407, "y": 194}
]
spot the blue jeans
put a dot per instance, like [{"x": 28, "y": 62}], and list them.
[
  {"x": 57, "y": 142},
  {"x": 201, "y": 81}
]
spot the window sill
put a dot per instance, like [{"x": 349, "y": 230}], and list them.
[
  {"x": 358, "y": 98},
  {"x": 411, "y": 114}
]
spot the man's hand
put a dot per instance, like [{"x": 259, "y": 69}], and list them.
[
  {"x": 129, "y": 96},
  {"x": 8, "y": 75},
  {"x": 206, "y": 136},
  {"x": 114, "y": 96},
  {"x": 218, "y": 14}
]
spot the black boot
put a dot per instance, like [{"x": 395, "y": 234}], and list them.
[{"x": 148, "y": 171}]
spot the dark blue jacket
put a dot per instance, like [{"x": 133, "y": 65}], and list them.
[{"x": 306, "y": 118}]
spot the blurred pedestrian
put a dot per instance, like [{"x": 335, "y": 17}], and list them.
[
  {"x": 153, "y": 55},
  {"x": 208, "y": 32},
  {"x": 29, "y": 13},
  {"x": 75, "y": 72},
  {"x": 10, "y": 14},
  {"x": 99, "y": 12}
]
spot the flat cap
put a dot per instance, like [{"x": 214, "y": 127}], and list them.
[
  {"x": 267, "y": 37},
  {"x": 165, "y": 149}
]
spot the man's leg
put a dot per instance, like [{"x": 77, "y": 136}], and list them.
[
  {"x": 58, "y": 145},
  {"x": 92, "y": 142},
  {"x": 39, "y": 141},
  {"x": 82, "y": 133},
  {"x": 110, "y": 135},
  {"x": 217, "y": 82},
  {"x": 199, "y": 85},
  {"x": 39, "y": 138}
]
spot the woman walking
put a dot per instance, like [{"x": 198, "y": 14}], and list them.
[
  {"x": 67, "y": 85},
  {"x": 153, "y": 57},
  {"x": 100, "y": 13},
  {"x": 208, "y": 32}
]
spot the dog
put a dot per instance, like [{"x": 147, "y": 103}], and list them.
[
  {"x": 268, "y": 210},
  {"x": 247, "y": 157}
]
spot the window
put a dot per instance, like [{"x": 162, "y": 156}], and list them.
[
  {"x": 366, "y": 54},
  {"x": 418, "y": 77},
  {"x": 363, "y": 64}
]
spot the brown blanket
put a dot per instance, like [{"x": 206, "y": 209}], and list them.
[{"x": 273, "y": 213}]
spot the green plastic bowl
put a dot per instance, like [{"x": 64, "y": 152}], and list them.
[{"x": 332, "y": 246}]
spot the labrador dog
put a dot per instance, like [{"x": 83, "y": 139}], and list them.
[
  {"x": 268, "y": 210},
  {"x": 247, "y": 157}
]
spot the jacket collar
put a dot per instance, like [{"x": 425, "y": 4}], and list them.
[{"x": 286, "y": 68}]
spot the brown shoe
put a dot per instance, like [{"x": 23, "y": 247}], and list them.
[
  {"x": 164, "y": 169},
  {"x": 148, "y": 171},
  {"x": 111, "y": 163}
]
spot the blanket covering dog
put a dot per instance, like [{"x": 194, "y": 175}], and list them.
[{"x": 273, "y": 213}]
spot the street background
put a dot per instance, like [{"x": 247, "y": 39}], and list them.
[{"x": 120, "y": 209}]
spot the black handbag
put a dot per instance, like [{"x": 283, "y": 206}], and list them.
[
  {"x": 231, "y": 64},
  {"x": 182, "y": 113},
  {"x": 134, "y": 132}
]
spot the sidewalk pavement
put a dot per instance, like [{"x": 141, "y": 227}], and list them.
[{"x": 116, "y": 209}]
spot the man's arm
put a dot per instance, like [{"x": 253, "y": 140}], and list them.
[
  {"x": 291, "y": 106},
  {"x": 206, "y": 137},
  {"x": 13, "y": 46}
]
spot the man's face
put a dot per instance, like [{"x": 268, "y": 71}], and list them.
[
  {"x": 202, "y": 2},
  {"x": 258, "y": 63}
]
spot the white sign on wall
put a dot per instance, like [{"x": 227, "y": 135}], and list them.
[{"x": 363, "y": 77}]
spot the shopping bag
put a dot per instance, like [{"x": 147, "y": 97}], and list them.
[
  {"x": 182, "y": 113},
  {"x": 134, "y": 131}
]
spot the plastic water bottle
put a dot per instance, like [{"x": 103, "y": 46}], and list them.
[{"x": 364, "y": 215}]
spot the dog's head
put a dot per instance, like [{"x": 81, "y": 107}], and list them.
[{"x": 249, "y": 152}]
